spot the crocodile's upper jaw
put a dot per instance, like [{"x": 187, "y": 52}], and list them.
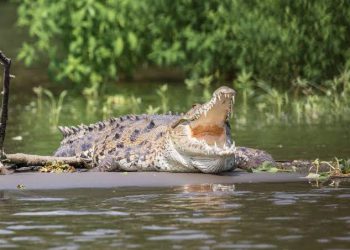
[
  {"x": 210, "y": 125},
  {"x": 202, "y": 135}
]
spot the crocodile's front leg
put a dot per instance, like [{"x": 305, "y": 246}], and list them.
[
  {"x": 247, "y": 158},
  {"x": 107, "y": 164}
]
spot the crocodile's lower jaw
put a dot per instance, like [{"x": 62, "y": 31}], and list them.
[{"x": 213, "y": 166}]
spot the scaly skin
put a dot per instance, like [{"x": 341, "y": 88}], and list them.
[{"x": 199, "y": 141}]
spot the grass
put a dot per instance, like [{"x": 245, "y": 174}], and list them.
[
  {"x": 303, "y": 103},
  {"x": 53, "y": 105},
  {"x": 257, "y": 102}
]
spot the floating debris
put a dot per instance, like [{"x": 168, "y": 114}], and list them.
[
  {"x": 20, "y": 186},
  {"x": 57, "y": 167}
]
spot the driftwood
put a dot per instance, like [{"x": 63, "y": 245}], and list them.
[{"x": 39, "y": 160}]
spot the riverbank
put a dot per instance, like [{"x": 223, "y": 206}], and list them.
[{"x": 136, "y": 179}]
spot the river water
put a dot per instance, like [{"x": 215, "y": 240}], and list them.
[{"x": 242, "y": 216}]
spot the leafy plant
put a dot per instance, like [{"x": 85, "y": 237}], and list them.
[{"x": 91, "y": 41}]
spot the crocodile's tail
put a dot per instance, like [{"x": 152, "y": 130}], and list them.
[{"x": 248, "y": 158}]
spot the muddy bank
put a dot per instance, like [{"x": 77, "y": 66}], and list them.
[{"x": 136, "y": 179}]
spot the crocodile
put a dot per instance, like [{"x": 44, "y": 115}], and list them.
[{"x": 196, "y": 141}]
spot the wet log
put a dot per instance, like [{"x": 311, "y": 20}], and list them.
[{"x": 39, "y": 160}]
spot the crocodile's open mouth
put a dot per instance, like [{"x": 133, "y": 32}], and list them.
[
  {"x": 209, "y": 123},
  {"x": 204, "y": 128}
]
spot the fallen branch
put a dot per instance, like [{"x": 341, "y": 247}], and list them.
[{"x": 38, "y": 160}]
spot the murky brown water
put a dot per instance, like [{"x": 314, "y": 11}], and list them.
[{"x": 245, "y": 216}]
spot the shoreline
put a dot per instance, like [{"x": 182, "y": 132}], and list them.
[{"x": 32, "y": 181}]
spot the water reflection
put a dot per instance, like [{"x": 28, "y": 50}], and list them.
[{"x": 242, "y": 216}]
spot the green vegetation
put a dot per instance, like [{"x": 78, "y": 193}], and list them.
[
  {"x": 287, "y": 59},
  {"x": 303, "y": 102},
  {"x": 279, "y": 42},
  {"x": 54, "y": 105},
  {"x": 338, "y": 168}
]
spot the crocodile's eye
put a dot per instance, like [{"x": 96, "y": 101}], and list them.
[
  {"x": 179, "y": 121},
  {"x": 195, "y": 105}
]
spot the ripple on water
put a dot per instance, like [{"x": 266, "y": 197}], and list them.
[
  {"x": 180, "y": 235},
  {"x": 87, "y": 236},
  {"x": 101, "y": 232},
  {"x": 345, "y": 218},
  {"x": 5, "y": 244},
  {"x": 27, "y": 238},
  {"x": 209, "y": 219},
  {"x": 40, "y": 199},
  {"x": 246, "y": 246},
  {"x": 71, "y": 213},
  {"x": 31, "y": 227},
  {"x": 342, "y": 238},
  {"x": 158, "y": 228},
  {"x": 69, "y": 246},
  {"x": 6, "y": 232},
  {"x": 289, "y": 237},
  {"x": 343, "y": 196},
  {"x": 281, "y": 218},
  {"x": 134, "y": 198}
]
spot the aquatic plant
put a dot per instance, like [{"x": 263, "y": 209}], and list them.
[
  {"x": 119, "y": 104},
  {"x": 91, "y": 94},
  {"x": 39, "y": 97},
  {"x": 162, "y": 92},
  {"x": 50, "y": 105},
  {"x": 152, "y": 110},
  {"x": 266, "y": 167},
  {"x": 244, "y": 86},
  {"x": 337, "y": 168},
  {"x": 305, "y": 102},
  {"x": 55, "y": 106}
]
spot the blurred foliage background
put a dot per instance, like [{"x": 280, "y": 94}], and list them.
[{"x": 93, "y": 42}]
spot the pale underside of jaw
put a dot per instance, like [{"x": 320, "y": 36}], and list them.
[{"x": 209, "y": 130}]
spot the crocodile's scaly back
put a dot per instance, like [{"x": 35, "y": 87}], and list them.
[{"x": 132, "y": 140}]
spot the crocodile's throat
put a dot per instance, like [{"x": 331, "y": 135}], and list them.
[{"x": 210, "y": 124}]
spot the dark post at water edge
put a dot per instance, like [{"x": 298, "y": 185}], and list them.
[{"x": 6, "y": 62}]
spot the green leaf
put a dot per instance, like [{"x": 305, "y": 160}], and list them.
[
  {"x": 118, "y": 46},
  {"x": 132, "y": 40}
]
